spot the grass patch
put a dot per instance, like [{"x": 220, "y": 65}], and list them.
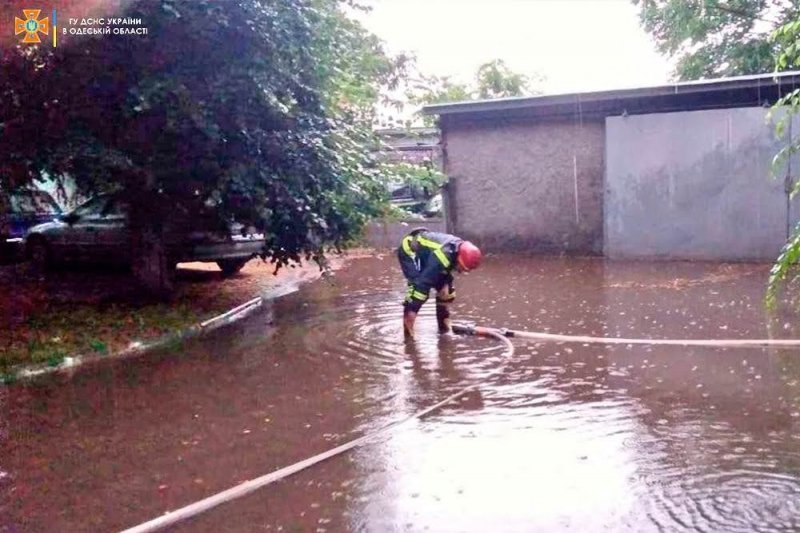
[
  {"x": 71, "y": 313},
  {"x": 99, "y": 346},
  {"x": 55, "y": 358},
  {"x": 54, "y": 333}
]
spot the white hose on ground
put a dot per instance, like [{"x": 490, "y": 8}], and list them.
[
  {"x": 247, "y": 487},
  {"x": 247, "y": 305},
  {"x": 501, "y": 334},
  {"x": 713, "y": 343}
]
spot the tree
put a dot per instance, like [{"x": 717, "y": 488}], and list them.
[
  {"x": 716, "y": 38},
  {"x": 258, "y": 110},
  {"x": 787, "y": 41},
  {"x": 492, "y": 80},
  {"x": 495, "y": 80},
  {"x": 437, "y": 90}
]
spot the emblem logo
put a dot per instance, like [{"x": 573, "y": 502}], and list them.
[{"x": 31, "y": 26}]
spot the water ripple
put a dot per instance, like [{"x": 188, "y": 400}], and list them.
[
  {"x": 660, "y": 439},
  {"x": 736, "y": 500}
]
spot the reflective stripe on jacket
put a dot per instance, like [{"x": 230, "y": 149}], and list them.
[{"x": 427, "y": 258}]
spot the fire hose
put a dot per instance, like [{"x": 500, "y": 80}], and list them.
[{"x": 501, "y": 335}]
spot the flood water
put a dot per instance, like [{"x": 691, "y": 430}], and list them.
[{"x": 568, "y": 437}]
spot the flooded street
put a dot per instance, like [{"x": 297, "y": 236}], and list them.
[{"x": 569, "y": 437}]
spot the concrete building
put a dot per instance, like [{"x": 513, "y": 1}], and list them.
[
  {"x": 418, "y": 146},
  {"x": 679, "y": 171}
]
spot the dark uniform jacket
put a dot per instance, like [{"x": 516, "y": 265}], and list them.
[{"x": 427, "y": 259}]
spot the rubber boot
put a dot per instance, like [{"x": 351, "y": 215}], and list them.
[
  {"x": 409, "y": 318},
  {"x": 443, "y": 317}
]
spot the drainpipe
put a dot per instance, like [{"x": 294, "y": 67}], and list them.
[
  {"x": 448, "y": 191},
  {"x": 788, "y": 185}
]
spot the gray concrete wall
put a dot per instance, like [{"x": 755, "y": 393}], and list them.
[
  {"x": 384, "y": 235},
  {"x": 793, "y": 170},
  {"x": 693, "y": 185},
  {"x": 534, "y": 186}
]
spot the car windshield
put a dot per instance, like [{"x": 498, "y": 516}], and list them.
[
  {"x": 91, "y": 207},
  {"x": 34, "y": 202}
]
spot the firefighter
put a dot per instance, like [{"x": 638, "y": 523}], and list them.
[{"x": 428, "y": 259}]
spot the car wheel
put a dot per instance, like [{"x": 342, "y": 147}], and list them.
[
  {"x": 6, "y": 251},
  {"x": 39, "y": 253},
  {"x": 230, "y": 267}
]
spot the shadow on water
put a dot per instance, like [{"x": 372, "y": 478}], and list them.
[{"x": 581, "y": 437}]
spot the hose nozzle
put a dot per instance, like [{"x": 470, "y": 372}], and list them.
[
  {"x": 479, "y": 331},
  {"x": 463, "y": 329}
]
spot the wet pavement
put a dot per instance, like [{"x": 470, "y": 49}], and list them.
[{"x": 569, "y": 437}]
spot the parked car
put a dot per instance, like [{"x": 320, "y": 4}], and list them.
[
  {"x": 97, "y": 232},
  {"x": 434, "y": 207},
  {"x": 421, "y": 203},
  {"x": 408, "y": 196},
  {"x": 25, "y": 210}
]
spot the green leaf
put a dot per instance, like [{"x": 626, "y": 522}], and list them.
[{"x": 259, "y": 111}]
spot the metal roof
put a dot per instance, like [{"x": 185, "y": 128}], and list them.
[{"x": 761, "y": 89}]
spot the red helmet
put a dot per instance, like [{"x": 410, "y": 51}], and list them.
[{"x": 469, "y": 256}]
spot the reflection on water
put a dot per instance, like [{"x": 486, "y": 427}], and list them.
[{"x": 578, "y": 437}]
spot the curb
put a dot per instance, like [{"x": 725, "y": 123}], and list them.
[{"x": 25, "y": 372}]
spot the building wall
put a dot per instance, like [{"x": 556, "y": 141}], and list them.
[
  {"x": 694, "y": 185},
  {"x": 416, "y": 146},
  {"x": 532, "y": 186},
  {"x": 793, "y": 169}
]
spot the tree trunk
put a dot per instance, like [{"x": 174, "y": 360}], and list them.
[{"x": 151, "y": 265}]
